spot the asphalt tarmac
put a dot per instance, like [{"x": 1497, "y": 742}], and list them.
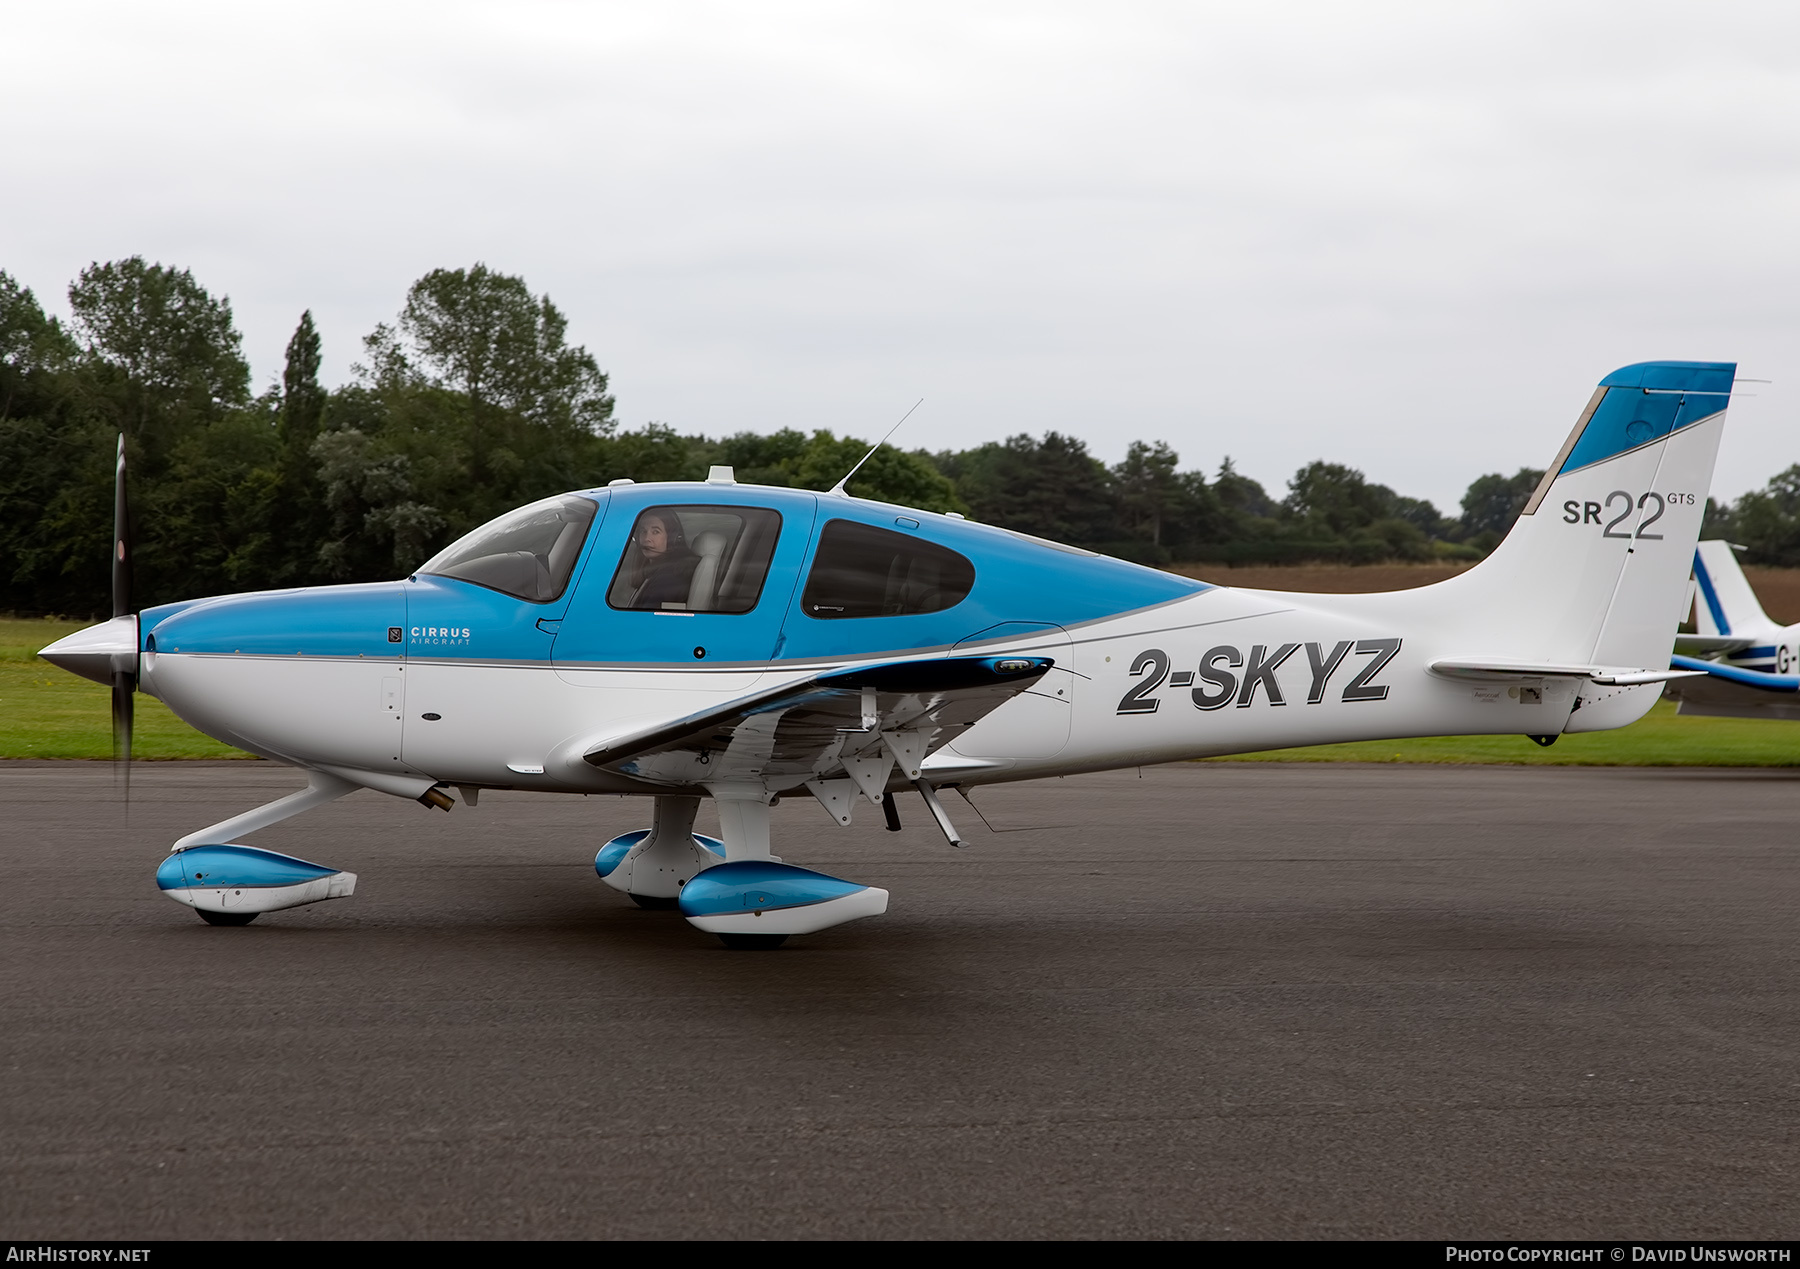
[{"x": 1216, "y": 1000}]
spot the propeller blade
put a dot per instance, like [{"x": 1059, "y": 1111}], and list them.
[
  {"x": 121, "y": 561},
  {"x": 124, "y": 701},
  {"x": 125, "y": 667}
]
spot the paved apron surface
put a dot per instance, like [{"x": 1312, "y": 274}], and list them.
[{"x": 1216, "y": 1000}]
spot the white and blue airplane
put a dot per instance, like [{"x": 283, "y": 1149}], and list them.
[
  {"x": 1748, "y": 664},
  {"x": 691, "y": 640}
]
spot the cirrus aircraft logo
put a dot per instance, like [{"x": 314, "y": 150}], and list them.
[{"x": 441, "y": 636}]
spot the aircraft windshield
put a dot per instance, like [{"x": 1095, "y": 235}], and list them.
[{"x": 528, "y": 553}]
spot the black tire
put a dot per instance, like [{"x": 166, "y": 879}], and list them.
[
  {"x": 655, "y": 903},
  {"x": 226, "y": 918},
  {"x": 753, "y": 942}
]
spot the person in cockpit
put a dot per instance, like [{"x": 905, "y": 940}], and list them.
[{"x": 665, "y": 564}]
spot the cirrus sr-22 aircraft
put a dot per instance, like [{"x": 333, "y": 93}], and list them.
[{"x": 680, "y": 641}]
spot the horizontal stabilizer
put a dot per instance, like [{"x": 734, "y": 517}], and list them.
[{"x": 1607, "y": 675}]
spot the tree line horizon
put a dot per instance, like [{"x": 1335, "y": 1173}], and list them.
[{"x": 472, "y": 402}]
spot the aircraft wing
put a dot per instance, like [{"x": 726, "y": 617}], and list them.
[
  {"x": 1727, "y": 691},
  {"x": 784, "y": 736}
]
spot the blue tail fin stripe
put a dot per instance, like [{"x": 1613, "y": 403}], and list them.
[
  {"x": 1646, "y": 402},
  {"x": 1711, "y": 596}
]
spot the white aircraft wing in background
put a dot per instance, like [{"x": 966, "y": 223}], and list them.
[{"x": 1747, "y": 666}]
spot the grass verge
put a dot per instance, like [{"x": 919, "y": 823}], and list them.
[{"x": 49, "y": 713}]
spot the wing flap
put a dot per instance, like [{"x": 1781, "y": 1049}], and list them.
[{"x": 797, "y": 731}]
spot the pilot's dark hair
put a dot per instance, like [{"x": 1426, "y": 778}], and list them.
[
  {"x": 671, "y": 523},
  {"x": 677, "y": 554}
]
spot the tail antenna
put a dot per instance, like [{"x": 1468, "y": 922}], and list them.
[{"x": 838, "y": 488}]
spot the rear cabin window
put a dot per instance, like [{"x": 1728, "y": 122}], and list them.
[
  {"x": 528, "y": 553},
  {"x": 696, "y": 559},
  {"x": 862, "y": 571}
]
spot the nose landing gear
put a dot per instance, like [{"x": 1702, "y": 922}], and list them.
[{"x": 230, "y": 884}]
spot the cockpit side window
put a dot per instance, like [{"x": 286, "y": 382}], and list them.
[
  {"x": 696, "y": 559},
  {"x": 528, "y": 553},
  {"x": 862, "y": 571}
]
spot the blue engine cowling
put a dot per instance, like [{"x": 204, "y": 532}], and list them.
[
  {"x": 247, "y": 879},
  {"x": 755, "y": 896}
]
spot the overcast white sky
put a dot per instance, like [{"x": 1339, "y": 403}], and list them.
[{"x": 1408, "y": 237}]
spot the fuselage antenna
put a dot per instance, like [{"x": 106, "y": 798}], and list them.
[{"x": 838, "y": 488}]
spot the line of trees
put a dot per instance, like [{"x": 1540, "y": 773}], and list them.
[
  {"x": 1766, "y": 521},
  {"x": 473, "y": 401}
]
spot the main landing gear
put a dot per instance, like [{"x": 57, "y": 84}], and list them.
[
  {"x": 653, "y": 864},
  {"x": 731, "y": 885},
  {"x": 735, "y": 887}
]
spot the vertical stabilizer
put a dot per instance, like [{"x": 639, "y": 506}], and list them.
[
  {"x": 1724, "y": 604},
  {"x": 1596, "y": 570}
]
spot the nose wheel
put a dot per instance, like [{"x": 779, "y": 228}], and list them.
[
  {"x": 226, "y": 918},
  {"x": 753, "y": 942}
]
